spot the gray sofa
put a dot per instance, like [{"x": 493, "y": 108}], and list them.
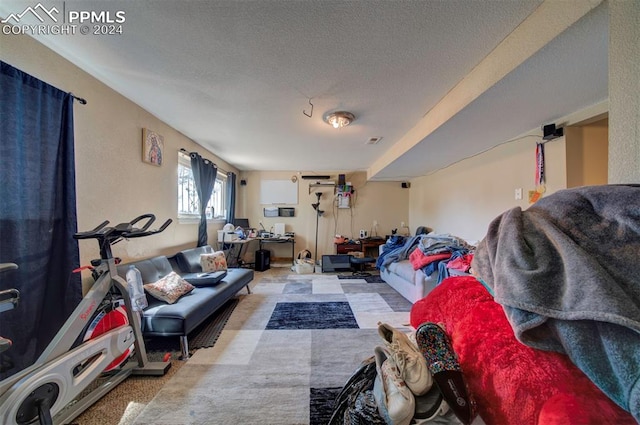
[
  {"x": 211, "y": 293},
  {"x": 411, "y": 284},
  {"x": 415, "y": 284}
]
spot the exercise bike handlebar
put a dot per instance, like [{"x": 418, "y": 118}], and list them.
[
  {"x": 137, "y": 233},
  {"x": 150, "y": 219},
  {"x": 91, "y": 233},
  {"x": 123, "y": 230}
]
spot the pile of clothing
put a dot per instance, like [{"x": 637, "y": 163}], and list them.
[
  {"x": 428, "y": 252},
  {"x": 412, "y": 379}
]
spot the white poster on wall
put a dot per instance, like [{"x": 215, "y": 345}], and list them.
[{"x": 278, "y": 192}]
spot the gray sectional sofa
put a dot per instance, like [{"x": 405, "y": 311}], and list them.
[
  {"x": 212, "y": 291},
  {"x": 411, "y": 283}
]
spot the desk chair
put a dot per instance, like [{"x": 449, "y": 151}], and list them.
[{"x": 359, "y": 265}]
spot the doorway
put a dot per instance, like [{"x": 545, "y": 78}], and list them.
[{"x": 587, "y": 145}]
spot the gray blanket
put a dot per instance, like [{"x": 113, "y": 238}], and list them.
[{"x": 566, "y": 272}]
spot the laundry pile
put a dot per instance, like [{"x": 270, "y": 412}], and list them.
[
  {"x": 411, "y": 379},
  {"x": 431, "y": 252}
]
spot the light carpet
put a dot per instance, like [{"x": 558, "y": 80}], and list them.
[{"x": 279, "y": 360}]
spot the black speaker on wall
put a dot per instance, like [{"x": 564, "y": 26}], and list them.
[
  {"x": 243, "y": 182},
  {"x": 406, "y": 185},
  {"x": 550, "y": 132}
]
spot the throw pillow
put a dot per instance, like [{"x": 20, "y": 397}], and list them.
[
  {"x": 213, "y": 262},
  {"x": 169, "y": 289}
]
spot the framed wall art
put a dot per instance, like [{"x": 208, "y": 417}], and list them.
[{"x": 152, "y": 147}]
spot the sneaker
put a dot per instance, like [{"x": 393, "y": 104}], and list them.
[
  {"x": 431, "y": 408},
  {"x": 411, "y": 363},
  {"x": 395, "y": 400},
  {"x": 443, "y": 364}
]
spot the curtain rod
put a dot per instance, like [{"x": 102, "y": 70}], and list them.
[
  {"x": 183, "y": 150},
  {"x": 78, "y": 99}
]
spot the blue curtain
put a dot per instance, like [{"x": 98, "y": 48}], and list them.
[
  {"x": 231, "y": 197},
  {"x": 204, "y": 176},
  {"x": 37, "y": 213}
]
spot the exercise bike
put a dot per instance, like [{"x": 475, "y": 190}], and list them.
[
  {"x": 47, "y": 392},
  {"x": 9, "y": 299}
]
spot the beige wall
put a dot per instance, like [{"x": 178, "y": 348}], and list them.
[
  {"x": 587, "y": 153},
  {"x": 384, "y": 202},
  {"x": 463, "y": 199},
  {"x": 112, "y": 181},
  {"x": 624, "y": 91}
]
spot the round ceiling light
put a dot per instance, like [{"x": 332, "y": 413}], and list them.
[{"x": 339, "y": 119}]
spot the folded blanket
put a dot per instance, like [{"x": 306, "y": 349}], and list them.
[
  {"x": 434, "y": 243},
  {"x": 565, "y": 271},
  {"x": 418, "y": 260}
]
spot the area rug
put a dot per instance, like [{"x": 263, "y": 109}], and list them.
[{"x": 278, "y": 360}]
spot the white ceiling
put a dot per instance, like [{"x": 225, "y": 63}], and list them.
[{"x": 235, "y": 76}]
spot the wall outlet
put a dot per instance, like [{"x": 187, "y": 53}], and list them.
[
  {"x": 519, "y": 193},
  {"x": 402, "y": 224}
]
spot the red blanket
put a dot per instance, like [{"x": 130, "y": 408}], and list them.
[
  {"x": 512, "y": 383},
  {"x": 419, "y": 260}
]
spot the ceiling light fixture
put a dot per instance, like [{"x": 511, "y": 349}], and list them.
[{"x": 339, "y": 119}]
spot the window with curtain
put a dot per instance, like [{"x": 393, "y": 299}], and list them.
[{"x": 188, "y": 199}]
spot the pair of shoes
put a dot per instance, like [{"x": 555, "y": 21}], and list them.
[
  {"x": 443, "y": 364},
  {"x": 396, "y": 403},
  {"x": 411, "y": 363}
]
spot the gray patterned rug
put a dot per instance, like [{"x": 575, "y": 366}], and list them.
[{"x": 283, "y": 355}]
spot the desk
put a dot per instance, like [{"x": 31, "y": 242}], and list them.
[
  {"x": 366, "y": 246},
  {"x": 371, "y": 246},
  {"x": 236, "y": 247},
  {"x": 290, "y": 240}
]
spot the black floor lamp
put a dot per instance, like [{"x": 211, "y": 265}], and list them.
[{"x": 319, "y": 212}]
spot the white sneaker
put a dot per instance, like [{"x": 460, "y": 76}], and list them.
[
  {"x": 395, "y": 400},
  {"x": 411, "y": 363}
]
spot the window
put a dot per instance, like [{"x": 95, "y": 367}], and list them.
[{"x": 188, "y": 197}]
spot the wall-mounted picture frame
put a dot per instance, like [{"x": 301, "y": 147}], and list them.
[{"x": 152, "y": 147}]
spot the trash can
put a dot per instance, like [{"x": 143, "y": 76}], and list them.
[{"x": 263, "y": 260}]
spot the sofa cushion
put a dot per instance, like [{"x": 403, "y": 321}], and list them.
[
  {"x": 169, "y": 288},
  {"x": 151, "y": 269},
  {"x": 213, "y": 262},
  {"x": 188, "y": 260},
  {"x": 405, "y": 270}
]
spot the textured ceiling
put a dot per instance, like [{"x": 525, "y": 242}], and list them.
[{"x": 235, "y": 76}]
